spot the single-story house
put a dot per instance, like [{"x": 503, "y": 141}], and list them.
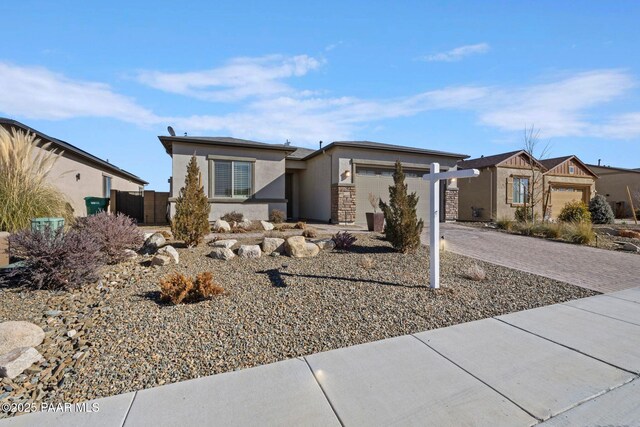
[
  {"x": 79, "y": 174},
  {"x": 331, "y": 183},
  {"x": 613, "y": 182},
  {"x": 505, "y": 179}
]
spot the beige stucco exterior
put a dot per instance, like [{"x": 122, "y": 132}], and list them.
[{"x": 612, "y": 183}]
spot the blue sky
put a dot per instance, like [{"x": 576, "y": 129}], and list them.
[{"x": 459, "y": 76}]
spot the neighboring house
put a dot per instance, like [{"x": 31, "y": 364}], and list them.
[
  {"x": 331, "y": 183},
  {"x": 613, "y": 182},
  {"x": 505, "y": 179},
  {"x": 79, "y": 174}
]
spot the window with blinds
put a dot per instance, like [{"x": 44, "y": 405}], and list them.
[{"x": 232, "y": 179}]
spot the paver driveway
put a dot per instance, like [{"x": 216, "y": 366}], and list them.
[{"x": 597, "y": 269}]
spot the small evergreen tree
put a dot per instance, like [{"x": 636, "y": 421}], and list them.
[
  {"x": 601, "y": 212},
  {"x": 402, "y": 227},
  {"x": 191, "y": 221}
]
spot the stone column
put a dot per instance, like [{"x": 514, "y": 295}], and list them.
[
  {"x": 343, "y": 203},
  {"x": 451, "y": 204}
]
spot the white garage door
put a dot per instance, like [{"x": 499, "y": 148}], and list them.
[{"x": 377, "y": 180}]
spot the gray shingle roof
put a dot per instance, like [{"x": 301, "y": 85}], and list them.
[
  {"x": 487, "y": 161},
  {"x": 167, "y": 142},
  {"x": 300, "y": 153},
  {"x": 65, "y": 146},
  {"x": 552, "y": 163},
  {"x": 390, "y": 147}
]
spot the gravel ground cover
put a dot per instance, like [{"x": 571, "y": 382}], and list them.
[{"x": 275, "y": 308}]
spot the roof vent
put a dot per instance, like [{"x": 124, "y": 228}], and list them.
[
  {"x": 321, "y": 145},
  {"x": 288, "y": 143}
]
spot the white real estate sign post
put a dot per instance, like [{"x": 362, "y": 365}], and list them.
[{"x": 434, "y": 178}]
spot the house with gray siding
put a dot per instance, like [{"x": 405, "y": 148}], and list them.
[{"x": 328, "y": 184}]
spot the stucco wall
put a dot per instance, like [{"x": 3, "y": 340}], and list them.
[
  {"x": 478, "y": 192},
  {"x": 268, "y": 170},
  {"x": 612, "y": 184},
  {"x": 314, "y": 193},
  {"x": 508, "y": 210}
]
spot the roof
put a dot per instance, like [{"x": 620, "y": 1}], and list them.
[
  {"x": 487, "y": 161},
  {"x": 381, "y": 146},
  {"x": 300, "y": 153},
  {"x": 167, "y": 142},
  {"x": 552, "y": 163},
  {"x": 65, "y": 146},
  {"x": 614, "y": 168}
]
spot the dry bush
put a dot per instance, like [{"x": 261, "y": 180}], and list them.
[
  {"x": 282, "y": 227},
  {"x": 579, "y": 232},
  {"x": 167, "y": 235},
  {"x": 300, "y": 225},
  {"x": 277, "y": 216},
  {"x": 310, "y": 233},
  {"x": 367, "y": 262},
  {"x": 274, "y": 233},
  {"x": 504, "y": 223},
  {"x": 629, "y": 233},
  {"x": 26, "y": 191},
  {"x": 114, "y": 233},
  {"x": 233, "y": 216},
  {"x": 178, "y": 288},
  {"x": 476, "y": 273}
]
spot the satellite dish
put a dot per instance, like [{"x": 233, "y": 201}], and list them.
[{"x": 171, "y": 131}]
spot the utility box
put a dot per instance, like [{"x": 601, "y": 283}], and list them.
[
  {"x": 4, "y": 248},
  {"x": 96, "y": 204},
  {"x": 40, "y": 224}
]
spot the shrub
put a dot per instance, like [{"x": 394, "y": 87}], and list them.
[
  {"x": 310, "y": 233},
  {"x": 525, "y": 228},
  {"x": 277, "y": 216},
  {"x": 233, "y": 216},
  {"x": 402, "y": 227},
  {"x": 629, "y": 233},
  {"x": 579, "y": 232},
  {"x": 55, "y": 260},
  {"x": 367, "y": 262},
  {"x": 504, "y": 223},
  {"x": 601, "y": 212},
  {"x": 114, "y": 234},
  {"x": 191, "y": 221},
  {"x": 178, "y": 288},
  {"x": 476, "y": 273},
  {"x": 25, "y": 189},
  {"x": 524, "y": 214},
  {"x": 550, "y": 230},
  {"x": 575, "y": 211},
  {"x": 343, "y": 240},
  {"x": 300, "y": 225}
]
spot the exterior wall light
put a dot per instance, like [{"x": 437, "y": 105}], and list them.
[{"x": 78, "y": 177}]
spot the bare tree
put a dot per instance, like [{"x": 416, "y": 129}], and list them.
[{"x": 536, "y": 193}]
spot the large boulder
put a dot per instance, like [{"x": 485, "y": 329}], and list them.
[
  {"x": 298, "y": 247},
  {"x": 272, "y": 244},
  {"x": 17, "y": 360},
  {"x": 324, "y": 244},
  {"x": 153, "y": 243},
  {"x": 221, "y": 226},
  {"x": 14, "y": 334},
  {"x": 171, "y": 252},
  {"x": 161, "y": 260},
  {"x": 266, "y": 226},
  {"x": 228, "y": 243},
  {"x": 221, "y": 253},
  {"x": 249, "y": 251}
]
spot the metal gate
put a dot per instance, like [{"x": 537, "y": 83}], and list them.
[{"x": 130, "y": 203}]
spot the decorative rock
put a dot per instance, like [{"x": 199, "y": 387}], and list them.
[
  {"x": 72, "y": 333},
  {"x": 630, "y": 247},
  {"x": 130, "y": 254},
  {"x": 14, "y": 334},
  {"x": 147, "y": 235},
  {"x": 245, "y": 224},
  {"x": 224, "y": 243},
  {"x": 298, "y": 247},
  {"x": 152, "y": 244},
  {"x": 272, "y": 244},
  {"x": 17, "y": 360},
  {"x": 222, "y": 253},
  {"x": 52, "y": 313},
  {"x": 249, "y": 251},
  {"x": 161, "y": 260},
  {"x": 221, "y": 226},
  {"x": 171, "y": 252},
  {"x": 324, "y": 244},
  {"x": 266, "y": 226}
]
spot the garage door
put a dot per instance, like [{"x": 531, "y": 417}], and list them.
[
  {"x": 560, "y": 196},
  {"x": 377, "y": 181}
]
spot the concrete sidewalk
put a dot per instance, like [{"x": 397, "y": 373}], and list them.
[{"x": 575, "y": 363}]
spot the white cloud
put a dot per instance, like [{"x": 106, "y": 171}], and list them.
[
  {"x": 37, "y": 93},
  {"x": 458, "y": 53},
  {"x": 238, "y": 79}
]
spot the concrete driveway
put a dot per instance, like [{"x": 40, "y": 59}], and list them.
[{"x": 597, "y": 269}]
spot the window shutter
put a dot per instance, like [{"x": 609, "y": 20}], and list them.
[{"x": 509, "y": 190}]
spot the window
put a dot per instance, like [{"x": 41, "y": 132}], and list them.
[
  {"x": 380, "y": 171},
  {"x": 520, "y": 190},
  {"x": 232, "y": 178},
  {"x": 106, "y": 186},
  {"x": 572, "y": 170}
]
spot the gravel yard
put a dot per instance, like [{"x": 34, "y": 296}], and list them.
[{"x": 275, "y": 308}]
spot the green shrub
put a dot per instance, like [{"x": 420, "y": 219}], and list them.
[
  {"x": 524, "y": 214},
  {"x": 25, "y": 188},
  {"x": 575, "y": 211},
  {"x": 550, "y": 230},
  {"x": 191, "y": 221},
  {"x": 601, "y": 212},
  {"x": 402, "y": 227},
  {"x": 579, "y": 232},
  {"x": 504, "y": 223}
]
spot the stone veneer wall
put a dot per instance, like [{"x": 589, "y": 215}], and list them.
[
  {"x": 343, "y": 203},
  {"x": 451, "y": 204}
]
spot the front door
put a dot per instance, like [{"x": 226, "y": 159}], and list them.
[{"x": 288, "y": 193}]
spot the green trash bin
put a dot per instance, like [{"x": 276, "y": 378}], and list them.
[
  {"x": 96, "y": 204},
  {"x": 40, "y": 224}
]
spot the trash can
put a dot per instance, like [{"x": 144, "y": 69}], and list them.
[
  {"x": 96, "y": 204},
  {"x": 40, "y": 224}
]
